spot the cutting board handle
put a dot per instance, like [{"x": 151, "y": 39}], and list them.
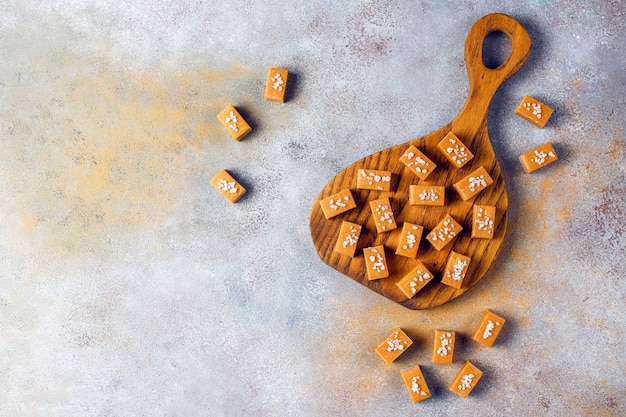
[{"x": 485, "y": 81}]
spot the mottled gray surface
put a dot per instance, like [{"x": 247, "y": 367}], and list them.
[{"x": 130, "y": 287}]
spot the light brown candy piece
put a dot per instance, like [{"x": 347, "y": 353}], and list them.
[
  {"x": 234, "y": 123},
  {"x": 337, "y": 203},
  {"x": 427, "y": 195},
  {"x": 454, "y": 150},
  {"x": 415, "y": 280},
  {"x": 383, "y": 215},
  {"x": 276, "y": 85},
  {"x": 348, "y": 238},
  {"x": 443, "y": 348},
  {"x": 473, "y": 184},
  {"x": 456, "y": 269},
  {"x": 371, "y": 179},
  {"x": 444, "y": 232},
  {"x": 228, "y": 186},
  {"x": 465, "y": 381},
  {"x": 417, "y": 162},
  {"x": 488, "y": 329},
  {"x": 483, "y": 218},
  {"x": 538, "y": 158},
  {"x": 395, "y": 345},
  {"x": 375, "y": 262},
  {"x": 416, "y": 384},
  {"x": 534, "y": 111},
  {"x": 410, "y": 238}
]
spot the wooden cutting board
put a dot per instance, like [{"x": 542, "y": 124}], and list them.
[{"x": 470, "y": 126}]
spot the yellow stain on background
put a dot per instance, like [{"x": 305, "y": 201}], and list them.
[{"x": 114, "y": 150}]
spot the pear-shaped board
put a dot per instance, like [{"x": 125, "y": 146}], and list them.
[{"x": 470, "y": 126}]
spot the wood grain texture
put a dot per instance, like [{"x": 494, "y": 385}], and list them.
[{"x": 471, "y": 127}]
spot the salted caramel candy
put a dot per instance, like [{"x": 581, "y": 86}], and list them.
[
  {"x": 337, "y": 203},
  {"x": 410, "y": 238},
  {"x": 483, "y": 221},
  {"x": 456, "y": 269},
  {"x": 416, "y": 384},
  {"x": 444, "y": 232},
  {"x": 371, "y": 179},
  {"x": 383, "y": 215},
  {"x": 488, "y": 328},
  {"x": 534, "y": 111},
  {"x": 454, "y": 150},
  {"x": 473, "y": 184},
  {"x": 393, "y": 346},
  {"x": 465, "y": 381},
  {"x": 415, "y": 280},
  {"x": 538, "y": 158},
  {"x": 234, "y": 123},
  {"x": 276, "y": 85},
  {"x": 348, "y": 238},
  {"x": 443, "y": 348},
  {"x": 416, "y": 161},
  {"x": 228, "y": 186},
  {"x": 427, "y": 195},
  {"x": 375, "y": 262}
]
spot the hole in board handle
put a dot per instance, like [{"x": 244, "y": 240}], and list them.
[{"x": 496, "y": 49}]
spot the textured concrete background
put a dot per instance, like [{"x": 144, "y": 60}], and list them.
[{"x": 130, "y": 287}]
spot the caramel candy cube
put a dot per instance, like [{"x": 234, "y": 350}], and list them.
[
  {"x": 473, "y": 184},
  {"x": 348, "y": 238},
  {"x": 417, "y": 162},
  {"x": 383, "y": 215},
  {"x": 415, "y": 280},
  {"x": 444, "y": 232},
  {"x": 395, "y": 345},
  {"x": 276, "y": 85},
  {"x": 337, "y": 203},
  {"x": 234, "y": 123},
  {"x": 488, "y": 328},
  {"x": 416, "y": 384},
  {"x": 482, "y": 221},
  {"x": 375, "y": 262},
  {"x": 534, "y": 111},
  {"x": 443, "y": 348},
  {"x": 369, "y": 179},
  {"x": 455, "y": 270},
  {"x": 538, "y": 158},
  {"x": 228, "y": 186},
  {"x": 427, "y": 195},
  {"x": 409, "y": 240},
  {"x": 454, "y": 150},
  {"x": 465, "y": 380}
]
